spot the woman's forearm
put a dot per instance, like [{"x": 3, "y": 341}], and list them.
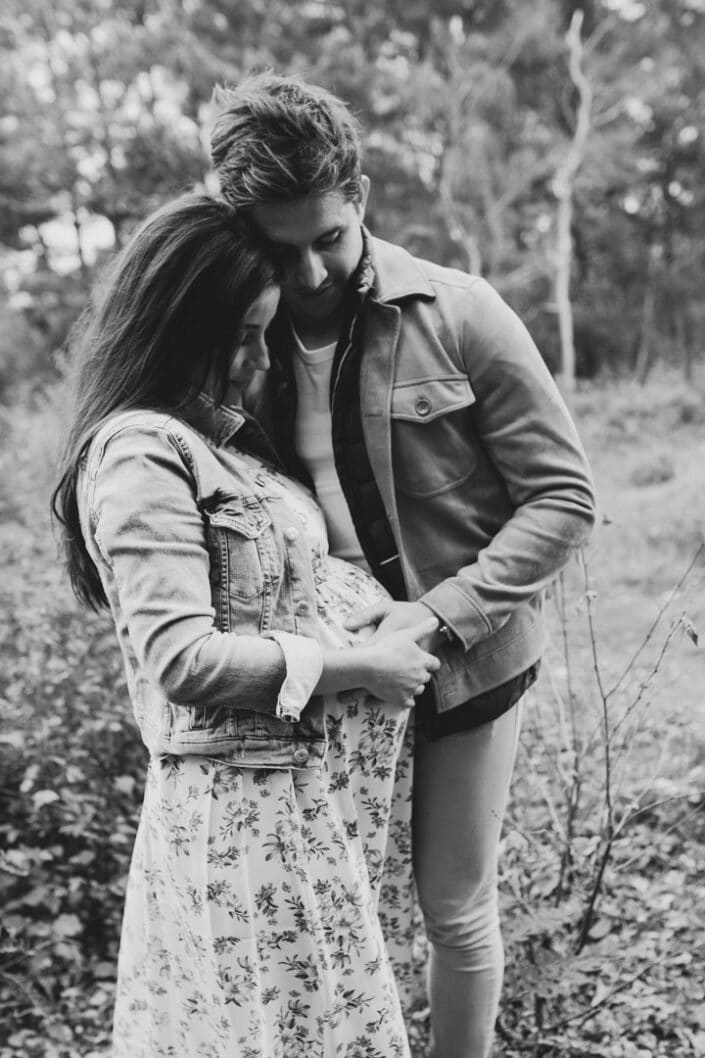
[{"x": 344, "y": 669}]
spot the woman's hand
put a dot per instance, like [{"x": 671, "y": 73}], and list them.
[
  {"x": 391, "y": 665},
  {"x": 397, "y": 668},
  {"x": 388, "y": 615}
]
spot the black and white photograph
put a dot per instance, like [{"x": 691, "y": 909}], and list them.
[{"x": 352, "y": 529}]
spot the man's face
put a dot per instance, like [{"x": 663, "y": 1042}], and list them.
[{"x": 318, "y": 243}]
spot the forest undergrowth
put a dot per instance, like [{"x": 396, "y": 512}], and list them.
[{"x": 602, "y": 867}]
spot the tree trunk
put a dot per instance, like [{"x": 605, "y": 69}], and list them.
[
  {"x": 643, "y": 356},
  {"x": 564, "y": 184},
  {"x": 646, "y": 327},
  {"x": 564, "y": 254},
  {"x": 683, "y": 345},
  {"x": 458, "y": 231},
  {"x": 79, "y": 244}
]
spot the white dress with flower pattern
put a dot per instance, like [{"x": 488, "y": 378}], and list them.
[{"x": 253, "y": 907}]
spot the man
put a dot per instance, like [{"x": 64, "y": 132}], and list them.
[{"x": 416, "y": 403}]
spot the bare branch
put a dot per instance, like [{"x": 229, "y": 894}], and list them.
[
  {"x": 543, "y": 1038},
  {"x": 600, "y": 32},
  {"x": 698, "y": 807},
  {"x": 609, "y": 831},
  {"x": 584, "y": 1015},
  {"x": 656, "y": 622},
  {"x": 647, "y": 680}
]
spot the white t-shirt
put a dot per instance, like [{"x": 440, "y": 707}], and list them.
[{"x": 313, "y": 439}]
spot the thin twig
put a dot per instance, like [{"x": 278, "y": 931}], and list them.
[
  {"x": 623, "y": 752},
  {"x": 648, "y": 808},
  {"x": 645, "y": 682},
  {"x": 609, "y": 809},
  {"x": 581, "y": 1017},
  {"x": 584, "y": 1015},
  {"x": 574, "y": 787},
  {"x": 589, "y": 914},
  {"x": 37, "y": 1001},
  {"x": 657, "y": 620}
]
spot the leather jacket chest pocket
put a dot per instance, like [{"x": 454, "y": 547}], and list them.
[
  {"x": 433, "y": 449},
  {"x": 242, "y": 545}
]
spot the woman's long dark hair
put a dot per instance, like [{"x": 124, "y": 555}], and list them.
[{"x": 162, "y": 322}]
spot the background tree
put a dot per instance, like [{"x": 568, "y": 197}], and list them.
[{"x": 469, "y": 108}]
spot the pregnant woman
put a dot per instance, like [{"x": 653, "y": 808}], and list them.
[{"x": 251, "y": 922}]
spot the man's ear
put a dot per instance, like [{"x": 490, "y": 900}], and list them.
[{"x": 361, "y": 201}]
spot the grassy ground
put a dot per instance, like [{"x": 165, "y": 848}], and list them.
[
  {"x": 635, "y": 988},
  {"x": 633, "y": 991},
  {"x": 647, "y": 447},
  {"x": 648, "y": 450},
  {"x": 620, "y": 654}
]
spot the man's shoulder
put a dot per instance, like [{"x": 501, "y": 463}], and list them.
[{"x": 400, "y": 272}]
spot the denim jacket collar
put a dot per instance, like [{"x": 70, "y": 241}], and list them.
[{"x": 218, "y": 423}]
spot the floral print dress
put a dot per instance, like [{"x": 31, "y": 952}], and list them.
[{"x": 256, "y": 897}]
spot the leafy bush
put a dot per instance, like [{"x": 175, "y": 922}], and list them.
[
  {"x": 31, "y": 336},
  {"x": 603, "y": 903},
  {"x": 598, "y": 867},
  {"x": 72, "y": 771}
]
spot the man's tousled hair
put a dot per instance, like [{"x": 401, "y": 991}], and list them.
[{"x": 277, "y": 139}]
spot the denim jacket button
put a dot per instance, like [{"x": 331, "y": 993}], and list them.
[
  {"x": 423, "y": 406},
  {"x": 301, "y": 755},
  {"x": 302, "y": 609},
  {"x": 291, "y": 534}
]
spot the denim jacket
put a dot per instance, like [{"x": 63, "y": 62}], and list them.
[{"x": 211, "y": 587}]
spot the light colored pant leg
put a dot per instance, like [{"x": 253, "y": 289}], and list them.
[{"x": 461, "y": 786}]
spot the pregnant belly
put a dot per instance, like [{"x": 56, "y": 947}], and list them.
[{"x": 342, "y": 592}]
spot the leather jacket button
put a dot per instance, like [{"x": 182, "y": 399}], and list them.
[
  {"x": 291, "y": 534},
  {"x": 301, "y": 755},
  {"x": 422, "y": 406}
]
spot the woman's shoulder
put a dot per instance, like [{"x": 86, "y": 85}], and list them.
[
  {"x": 140, "y": 430},
  {"x": 146, "y": 419}
]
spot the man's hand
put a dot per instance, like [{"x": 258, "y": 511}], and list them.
[{"x": 390, "y": 616}]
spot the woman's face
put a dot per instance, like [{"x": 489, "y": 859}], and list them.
[{"x": 251, "y": 354}]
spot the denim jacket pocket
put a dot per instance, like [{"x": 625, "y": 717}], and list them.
[
  {"x": 431, "y": 447},
  {"x": 242, "y": 546}
]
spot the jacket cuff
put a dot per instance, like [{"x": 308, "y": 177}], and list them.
[
  {"x": 304, "y": 664},
  {"x": 460, "y": 615}
]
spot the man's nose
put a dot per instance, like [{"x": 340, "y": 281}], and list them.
[{"x": 310, "y": 271}]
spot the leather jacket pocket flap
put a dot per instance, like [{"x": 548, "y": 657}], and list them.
[
  {"x": 245, "y": 519},
  {"x": 424, "y": 400}
]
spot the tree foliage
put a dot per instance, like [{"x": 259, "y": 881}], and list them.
[{"x": 469, "y": 109}]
